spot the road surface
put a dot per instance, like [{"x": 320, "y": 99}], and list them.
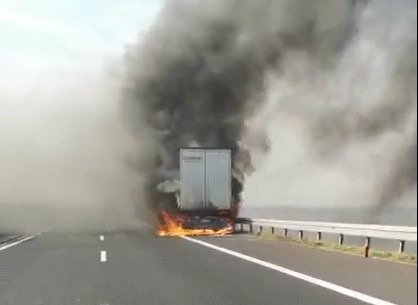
[{"x": 138, "y": 268}]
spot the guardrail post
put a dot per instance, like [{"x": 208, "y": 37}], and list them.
[
  {"x": 340, "y": 239},
  {"x": 400, "y": 234},
  {"x": 401, "y": 246},
  {"x": 367, "y": 247}
]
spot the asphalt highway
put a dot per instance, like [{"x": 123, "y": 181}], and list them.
[{"x": 122, "y": 268}]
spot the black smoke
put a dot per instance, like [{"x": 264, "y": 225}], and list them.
[
  {"x": 395, "y": 112},
  {"x": 200, "y": 74}
]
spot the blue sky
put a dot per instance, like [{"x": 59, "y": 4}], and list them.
[{"x": 53, "y": 32}]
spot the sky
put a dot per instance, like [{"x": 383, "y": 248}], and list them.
[{"x": 48, "y": 33}]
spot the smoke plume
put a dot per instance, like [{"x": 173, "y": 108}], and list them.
[
  {"x": 62, "y": 154},
  {"x": 339, "y": 76},
  {"x": 344, "y": 135},
  {"x": 200, "y": 73}
]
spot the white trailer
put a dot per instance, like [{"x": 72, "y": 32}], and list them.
[{"x": 205, "y": 179}]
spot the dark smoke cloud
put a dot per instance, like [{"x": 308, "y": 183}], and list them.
[
  {"x": 345, "y": 134},
  {"x": 403, "y": 174},
  {"x": 200, "y": 72},
  {"x": 203, "y": 73},
  {"x": 393, "y": 112},
  {"x": 347, "y": 124}
]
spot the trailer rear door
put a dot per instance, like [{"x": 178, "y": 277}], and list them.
[
  {"x": 218, "y": 179},
  {"x": 192, "y": 179}
]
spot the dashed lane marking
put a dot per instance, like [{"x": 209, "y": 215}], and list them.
[{"x": 103, "y": 256}]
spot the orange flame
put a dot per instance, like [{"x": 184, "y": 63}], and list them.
[{"x": 172, "y": 226}]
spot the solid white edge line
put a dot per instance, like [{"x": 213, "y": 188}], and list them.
[
  {"x": 9, "y": 245},
  {"x": 103, "y": 256},
  {"x": 307, "y": 278}
]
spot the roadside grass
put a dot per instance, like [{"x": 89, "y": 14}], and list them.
[{"x": 346, "y": 249}]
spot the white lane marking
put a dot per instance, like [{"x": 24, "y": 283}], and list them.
[
  {"x": 103, "y": 256},
  {"x": 17, "y": 242},
  {"x": 324, "y": 284},
  {"x": 101, "y": 237}
]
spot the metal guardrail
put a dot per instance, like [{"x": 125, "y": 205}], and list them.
[{"x": 399, "y": 233}]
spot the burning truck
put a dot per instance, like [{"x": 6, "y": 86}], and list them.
[{"x": 198, "y": 199}]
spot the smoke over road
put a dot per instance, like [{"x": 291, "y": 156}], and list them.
[
  {"x": 200, "y": 72},
  {"x": 63, "y": 148},
  {"x": 316, "y": 98},
  {"x": 62, "y": 152},
  {"x": 345, "y": 135},
  {"x": 302, "y": 91}
]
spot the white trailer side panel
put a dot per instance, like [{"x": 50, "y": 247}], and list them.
[
  {"x": 218, "y": 179},
  {"x": 192, "y": 179}
]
